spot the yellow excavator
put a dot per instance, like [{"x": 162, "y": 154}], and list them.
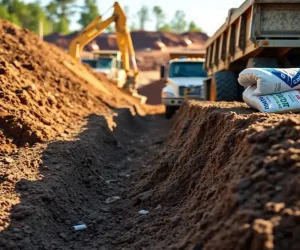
[{"x": 124, "y": 41}]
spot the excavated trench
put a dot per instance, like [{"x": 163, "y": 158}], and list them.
[
  {"x": 217, "y": 176},
  {"x": 76, "y": 181}
]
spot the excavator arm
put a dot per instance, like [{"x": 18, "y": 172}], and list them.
[{"x": 124, "y": 41}]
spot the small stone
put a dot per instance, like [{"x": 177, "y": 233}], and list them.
[
  {"x": 143, "y": 212},
  {"x": 113, "y": 199},
  {"x": 274, "y": 207},
  {"x": 8, "y": 160},
  {"x": 278, "y": 188}
]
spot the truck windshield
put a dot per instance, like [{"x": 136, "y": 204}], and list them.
[
  {"x": 104, "y": 63},
  {"x": 187, "y": 69},
  {"x": 91, "y": 63}
]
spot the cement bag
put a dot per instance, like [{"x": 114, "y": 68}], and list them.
[
  {"x": 274, "y": 103},
  {"x": 269, "y": 80}
]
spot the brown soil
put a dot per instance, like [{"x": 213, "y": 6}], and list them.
[
  {"x": 153, "y": 92},
  {"x": 223, "y": 177},
  {"x": 227, "y": 178},
  {"x": 141, "y": 39}
]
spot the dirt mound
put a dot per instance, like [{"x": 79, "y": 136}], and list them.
[
  {"x": 40, "y": 97},
  {"x": 227, "y": 179},
  {"x": 141, "y": 39}
]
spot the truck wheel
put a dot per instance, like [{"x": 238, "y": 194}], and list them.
[
  {"x": 262, "y": 62},
  {"x": 170, "y": 110},
  {"x": 224, "y": 87}
]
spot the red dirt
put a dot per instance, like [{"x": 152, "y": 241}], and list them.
[
  {"x": 141, "y": 39},
  {"x": 225, "y": 177}
]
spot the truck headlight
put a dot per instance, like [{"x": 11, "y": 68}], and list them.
[{"x": 167, "y": 94}]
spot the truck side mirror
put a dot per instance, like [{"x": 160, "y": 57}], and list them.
[{"x": 162, "y": 72}]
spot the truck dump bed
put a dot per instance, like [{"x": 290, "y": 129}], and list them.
[{"x": 257, "y": 27}]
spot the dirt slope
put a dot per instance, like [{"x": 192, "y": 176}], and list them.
[
  {"x": 226, "y": 179},
  {"x": 40, "y": 97}
]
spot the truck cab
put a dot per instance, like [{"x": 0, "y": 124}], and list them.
[
  {"x": 184, "y": 78},
  {"x": 108, "y": 62}
]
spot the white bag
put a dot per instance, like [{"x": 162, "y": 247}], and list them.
[
  {"x": 269, "y": 80},
  {"x": 274, "y": 103}
]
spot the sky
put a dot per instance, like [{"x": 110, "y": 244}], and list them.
[{"x": 208, "y": 14}]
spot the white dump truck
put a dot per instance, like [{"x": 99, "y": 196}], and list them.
[
  {"x": 184, "y": 78},
  {"x": 108, "y": 62}
]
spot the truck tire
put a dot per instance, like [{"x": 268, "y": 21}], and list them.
[
  {"x": 170, "y": 111},
  {"x": 262, "y": 62},
  {"x": 224, "y": 87}
]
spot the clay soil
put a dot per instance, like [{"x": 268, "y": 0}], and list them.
[{"x": 216, "y": 176}]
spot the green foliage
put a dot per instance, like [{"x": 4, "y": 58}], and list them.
[
  {"x": 165, "y": 28},
  {"x": 89, "y": 13},
  {"x": 178, "y": 23},
  {"x": 143, "y": 16},
  {"x": 59, "y": 11},
  {"x": 159, "y": 16},
  {"x": 25, "y": 15},
  {"x": 193, "y": 27}
]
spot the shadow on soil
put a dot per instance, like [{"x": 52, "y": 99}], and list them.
[{"x": 79, "y": 176}]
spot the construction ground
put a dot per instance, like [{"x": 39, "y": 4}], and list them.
[{"x": 215, "y": 176}]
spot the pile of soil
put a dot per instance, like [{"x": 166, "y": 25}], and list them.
[
  {"x": 227, "y": 178},
  {"x": 40, "y": 97}
]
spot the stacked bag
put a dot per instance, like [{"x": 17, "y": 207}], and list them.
[{"x": 271, "y": 90}]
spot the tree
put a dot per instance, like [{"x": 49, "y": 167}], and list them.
[
  {"x": 4, "y": 14},
  {"x": 24, "y": 15},
  {"x": 193, "y": 27},
  {"x": 59, "y": 12},
  {"x": 178, "y": 22},
  {"x": 89, "y": 13},
  {"x": 143, "y": 16},
  {"x": 159, "y": 15},
  {"x": 165, "y": 28}
]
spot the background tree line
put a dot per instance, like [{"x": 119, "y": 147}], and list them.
[{"x": 56, "y": 16}]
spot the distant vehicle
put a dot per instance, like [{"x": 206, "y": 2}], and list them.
[
  {"x": 126, "y": 52},
  {"x": 108, "y": 62},
  {"x": 184, "y": 77}
]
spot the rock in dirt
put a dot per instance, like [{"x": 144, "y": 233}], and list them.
[
  {"x": 113, "y": 199},
  {"x": 143, "y": 212}
]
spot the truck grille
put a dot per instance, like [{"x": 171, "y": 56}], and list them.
[{"x": 191, "y": 90}]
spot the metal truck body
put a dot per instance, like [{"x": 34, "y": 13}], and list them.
[
  {"x": 184, "y": 78},
  {"x": 260, "y": 33}
]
